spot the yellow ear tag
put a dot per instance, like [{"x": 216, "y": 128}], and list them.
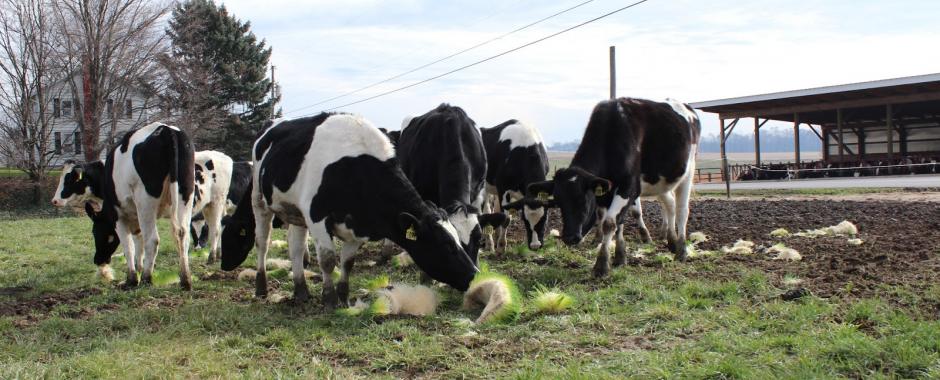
[
  {"x": 410, "y": 233},
  {"x": 79, "y": 176},
  {"x": 599, "y": 190},
  {"x": 543, "y": 196},
  {"x": 488, "y": 230}
]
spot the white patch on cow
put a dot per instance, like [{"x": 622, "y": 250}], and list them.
[
  {"x": 616, "y": 206},
  {"x": 343, "y": 232},
  {"x": 512, "y": 196},
  {"x": 463, "y": 224},
  {"x": 520, "y": 135},
  {"x": 406, "y": 121},
  {"x": 450, "y": 230},
  {"x": 682, "y": 110},
  {"x": 533, "y": 216},
  {"x": 172, "y": 127},
  {"x": 573, "y": 178},
  {"x": 662, "y": 186}
]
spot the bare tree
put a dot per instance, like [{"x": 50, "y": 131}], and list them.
[
  {"x": 29, "y": 81},
  {"x": 111, "y": 46}
]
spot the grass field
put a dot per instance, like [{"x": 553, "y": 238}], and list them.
[{"x": 664, "y": 321}]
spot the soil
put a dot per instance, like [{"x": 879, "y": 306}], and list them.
[{"x": 901, "y": 246}]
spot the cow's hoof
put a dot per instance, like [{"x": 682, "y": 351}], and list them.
[
  {"x": 211, "y": 260},
  {"x": 681, "y": 255},
  {"x": 329, "y": 299},
  {"x": 261, "y": 285},
  {"x": 186, "y": 284},
  {"x": 131, "y": 282},
  {"x": 301, "y": 295},
  {"x": 620, "y": 259},
  {"x": 342, "y": 293},
  {"x": 601, "y": 269},
  {"x": 146, "y": 279}
]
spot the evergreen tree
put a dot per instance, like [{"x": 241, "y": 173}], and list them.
[{"x": 218, "y": 72}]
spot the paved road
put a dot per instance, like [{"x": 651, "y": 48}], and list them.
[{"x": 921, "y": 180}]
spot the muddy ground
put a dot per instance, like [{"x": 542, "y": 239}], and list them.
[{"x": 901, "y": 246}]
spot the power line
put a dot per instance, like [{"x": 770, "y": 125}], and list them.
[
  {"x": 490, "y": 58},
  {"x": 389, "y": 79}
]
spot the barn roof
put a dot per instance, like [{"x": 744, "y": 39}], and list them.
[{"x": 919, "y": 94}]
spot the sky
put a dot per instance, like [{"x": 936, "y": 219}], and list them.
[{"x": 681, "y": 49}]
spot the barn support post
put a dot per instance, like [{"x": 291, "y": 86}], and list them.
[
  {"x": 825, "y": 143},
  {"x": 861, "y": 143},
  {"x": 841, "y": 136},
  {"x": 613, "y": 72},
  {"x": 724, "y": 161},
  {"x": 889, "y": 122},
  {"x": 796, "y": 140},
  {"x": 757, "y": 125}
]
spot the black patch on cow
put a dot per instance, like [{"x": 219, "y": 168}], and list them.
[
  {"x": 209, "y": 165},
  {"x": 91, "y": 176},
  {"x": 293, "y": 136}
]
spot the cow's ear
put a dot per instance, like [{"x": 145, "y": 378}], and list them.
[
  {"x": 496, "y": 219},
  {"x": 599, "y": 186},
  {"x": 409, "y": 225},
  {"x": 517, "y": 205},
  {"x": 535, "y": 188},
  {"x": 79, "y": 173}
]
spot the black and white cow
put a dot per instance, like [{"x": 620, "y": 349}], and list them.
[
  {"x": 516, "y": 157},
  {"x": 442, "y": 154},
  {"x": 148, "y": 174},
  {"x": 336, "y": 175},
  {"x": 238, "y": 183},
  {"x": 631, "y": 148},
  {"x": 213, "y": 178},
  {"x": 79, "y": 183}
]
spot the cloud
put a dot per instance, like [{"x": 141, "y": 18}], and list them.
[{"x": 688, "y": 50}]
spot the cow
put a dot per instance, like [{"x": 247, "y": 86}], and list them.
[
  {"x": 442, "y": 154},
  {"x": 213, "y": 177},
  {"x": 148, "y": 174},
  {"x": 516, "y": 157},
  {"x": 238, "y": 183},
  {"x": 631, "y": 148},
  {"x": 78, "y": 184},
  {"x": 336, "y": 175}
]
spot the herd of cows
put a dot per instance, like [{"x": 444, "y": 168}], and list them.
[
  {"x": 434, "y": 188},
  {"x": 820, "y": 169}
]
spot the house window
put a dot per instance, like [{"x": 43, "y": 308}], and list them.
[
  {"x": 56, "y": 108},
  {"x": 111, "y": 108},
  {"x": 128, "y": 109},
  {"x": 58, "y": 142},
  {"x": 66, "y": 108},
  {"x": 77, "y": 142}
]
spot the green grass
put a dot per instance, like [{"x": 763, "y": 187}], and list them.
[{"x": 672, "y": 321}]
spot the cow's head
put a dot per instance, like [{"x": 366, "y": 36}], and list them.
[
  {"x": 74, "y": 186},
  {"x": 103, "y": 230},
  {"x": 238, "y": 237},
  {"x": 575, "y": 193},
  {"x": 469, "y": 224},
  {"x": 435, "y": 246},
  {"x": 534, "y": 215}
]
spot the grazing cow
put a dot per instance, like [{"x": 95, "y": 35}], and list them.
[
  {"x": 213, "y": 178},
  {"x": 516, "y": 157},
  {"x": 238, "y": 183},
  {"x": 631, "y": 148},
  {"x": 149, "y": 174},
  {"x": 442, "y": 154},
  {"x": 336, "y": 175}
]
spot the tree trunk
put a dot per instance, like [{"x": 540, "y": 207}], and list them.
[{"x": 90, "y": 115}]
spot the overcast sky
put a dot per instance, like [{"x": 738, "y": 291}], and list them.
[{"x": 682, "y": 49}]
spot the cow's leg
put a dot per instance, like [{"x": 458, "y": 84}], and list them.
[
  {"x": 347, "y": 258},
  {"x": 263, "y": 220},
  {"x": 683, "y": 192},
  {"x": 213, "y": 219},
  {"x": 326, "y": 257},
  {"x": 297, "y": 244},
  {"x": 127, "y": 241},
  {"x": 502, "y": 240},
  {"x": 620, "y": 247},
  {"x": 147, "y": 218},
  {"x": 607, "y": 228},
  {"x": 636, "y": 211},
  {"x": 668, "y": 202},
  {"x": 138, "y": 247},
  {"x": 180, "y": 222},
  {"x": 488, "y": 208}
]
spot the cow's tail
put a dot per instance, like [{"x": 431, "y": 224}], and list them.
[{"x": 182, "y": 173}]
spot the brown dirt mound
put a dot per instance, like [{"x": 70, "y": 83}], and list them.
[{"x": 901, "y": 242}]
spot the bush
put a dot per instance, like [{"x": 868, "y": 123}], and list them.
[{"x": 18, "y": 198}]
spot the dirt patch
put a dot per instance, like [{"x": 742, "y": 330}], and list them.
[
  {"x": 901, "y": 243},
  {"x": 42, "y": 304}
]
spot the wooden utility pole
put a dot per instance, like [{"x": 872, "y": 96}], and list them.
[
  {"x": 273, "y": 84},
  {"x": 613, "y": 73}
]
